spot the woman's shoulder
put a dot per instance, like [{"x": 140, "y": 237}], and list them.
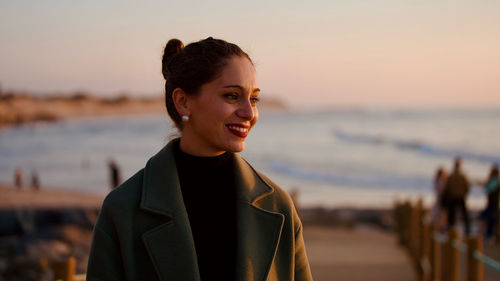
[
  {"x": 126, "y": 195},
  {"x": 278, "y": 191},
  {"x": 278, "y": 199}
]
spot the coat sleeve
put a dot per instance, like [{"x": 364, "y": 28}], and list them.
[
  {"x": 105, "y": 261},
  {"x": 302, "y": 269}
]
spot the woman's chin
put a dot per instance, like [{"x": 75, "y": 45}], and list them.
[{"x": 235, "y": 147}]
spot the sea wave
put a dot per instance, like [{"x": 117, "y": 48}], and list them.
[
  {"x": 418, "y": 146},
  {"x": 362, "y": 180}
]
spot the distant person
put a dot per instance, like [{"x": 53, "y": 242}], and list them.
[
  {"x": 490, "y": 214},
  {"x": 114, "y": 174},
  {"x": 35, "y": 180},
  {"x": 439, "y": 209},
  {"x": 455, "y": 191},
  {"x": 18, "y": 178},
  {"x": 198, "y": 210}
]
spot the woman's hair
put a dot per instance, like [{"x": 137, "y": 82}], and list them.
[{"x": 188, "y": 68}]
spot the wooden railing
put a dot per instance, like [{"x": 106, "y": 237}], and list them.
[{"x": 437, "y": 255}]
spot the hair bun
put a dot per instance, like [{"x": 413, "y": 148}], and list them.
[{"x": 173, "y": 47}]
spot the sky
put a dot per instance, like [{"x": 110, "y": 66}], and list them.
[{"x": 308, "y": 53}]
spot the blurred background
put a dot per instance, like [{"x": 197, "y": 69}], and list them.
[{"x": 361, "y": 100}]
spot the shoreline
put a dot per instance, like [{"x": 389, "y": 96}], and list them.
[
  {"x": 17, "y": 109},
  {"x": 21, "y": 109},
  {"x": 46, "y": 198}
]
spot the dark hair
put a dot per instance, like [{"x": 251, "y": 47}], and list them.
[{"x": 188, "y": 68}]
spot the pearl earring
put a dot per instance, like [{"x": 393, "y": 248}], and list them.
[{"x": 185, "y": 118}]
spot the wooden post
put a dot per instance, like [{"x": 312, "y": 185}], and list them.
[
  {"x": 474, "y": 266},
  {"x": 420, "y": 229},
  {"x": 452, "y": 257},
  {"x": 425, "y": 247},
  {"x": 435, "y": 256},
  {"x": 399, "y": 222},
  {"x": 64, "y": 270},
  {"x": 406, "y": 223},
  {"x": 414, "y": 233}
]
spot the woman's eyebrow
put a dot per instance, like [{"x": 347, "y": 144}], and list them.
[{"x": 240, "y": 88}]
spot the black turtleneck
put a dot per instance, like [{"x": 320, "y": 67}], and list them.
[{"x": 209, "y": 193}]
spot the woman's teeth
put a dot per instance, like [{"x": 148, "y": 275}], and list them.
[{"x": 239, "y": 129}]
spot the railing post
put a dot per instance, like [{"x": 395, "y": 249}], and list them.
[
  {"x": 452, "y": 257},
  {"x": 415, "y": 233},
  {"x": 435, "y": 256},
  {"x": 425, "y": 253},
  {"x": 474, "y": 266},
  {"x": 398, "y": 222},
  {"x": 406, "y": 224},
  {"x": 64, "y": 270},
  {"x": 420, "y": 229}
]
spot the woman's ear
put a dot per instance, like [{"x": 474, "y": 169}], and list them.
[{"x": 180, "y": 99}]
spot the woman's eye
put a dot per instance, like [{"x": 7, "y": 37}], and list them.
[
  {"x": 231, "y": 96},
  {"x": 254, "y": 99}
]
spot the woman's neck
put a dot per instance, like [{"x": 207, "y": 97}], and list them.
[{"x": 189, "y": 146}]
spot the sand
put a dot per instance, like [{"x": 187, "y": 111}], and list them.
[
  {"x": 12, "y": 198},
  {"x": 17, "y": 110},
  {"x": 334, "y": 253},
  {"x": 364, "y": 254}
]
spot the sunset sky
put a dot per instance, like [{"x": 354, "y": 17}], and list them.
[{"x": 309, "y": 53}]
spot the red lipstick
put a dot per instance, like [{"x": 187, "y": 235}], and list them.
[{"x": 238, "y": 130}]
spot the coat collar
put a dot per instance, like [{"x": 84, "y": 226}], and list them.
[{"x": 171, "y": 245}]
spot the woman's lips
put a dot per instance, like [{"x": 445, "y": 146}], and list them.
[{"x": 238, "y": 130}]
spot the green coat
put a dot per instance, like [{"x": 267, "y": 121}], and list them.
[{"x": 143, "y": 231}]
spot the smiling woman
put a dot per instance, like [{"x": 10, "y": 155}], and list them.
[
  {"x": 223, "y": 112},
  {"x": 198, "y": 211}
]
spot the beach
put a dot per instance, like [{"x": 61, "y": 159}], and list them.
[
  {"x": 336, "y": 250},
  {"x": 342, "y": 244},
  {"x": 377, "y": 159},
  {"x": 13, "y": 198},
  {"x": 348, "y": 170}
]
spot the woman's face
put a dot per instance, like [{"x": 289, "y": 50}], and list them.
[{"x": 224, "y": 112}]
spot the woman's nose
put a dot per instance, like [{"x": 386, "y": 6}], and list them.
[{"x": 246, "y": 110}]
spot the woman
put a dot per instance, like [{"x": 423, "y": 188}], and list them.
[
  {"x": 198, "y": 211},
  {"x": 490, "y": 214}
]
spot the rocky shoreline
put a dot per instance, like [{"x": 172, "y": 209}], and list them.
[
  {"x": 29, "y": 238},
  {"x": 37, "y": 226}
]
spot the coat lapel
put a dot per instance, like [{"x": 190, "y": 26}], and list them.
[
  {"x": 170, "y": 245},
  {"x": 259, "y": 230}
]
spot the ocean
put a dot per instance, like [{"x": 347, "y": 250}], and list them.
[{"x": 333, "y": 158}]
